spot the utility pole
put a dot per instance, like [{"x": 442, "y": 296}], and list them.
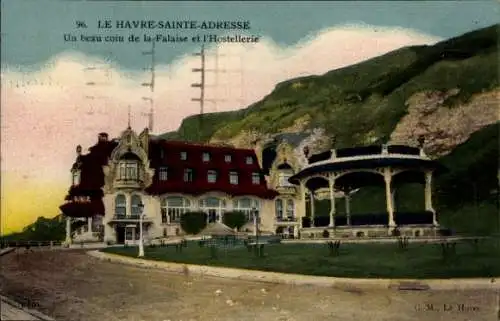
[
  {"x": 92, "y": 83},
  {"x": 203, "y": 70},
  {"x": 151, "y": 86},
  {"x": 201, "y": 84}
]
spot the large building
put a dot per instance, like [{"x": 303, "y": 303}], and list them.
[
  {"x": 280, "y": 179},
  {"x": 169, "y": 178}
]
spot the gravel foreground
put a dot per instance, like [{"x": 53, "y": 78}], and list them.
[{"x": 71, "y": 285}]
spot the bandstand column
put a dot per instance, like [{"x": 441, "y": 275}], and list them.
[
  {"x": 311, "y": 199},
  {"x": 388, "y": 196},
  {"x": 68, "y": 230},
  {"x": 348, "y": 207},
  {"x": 89, "y": 224},
  {"x": 393, "y": 199},
  {"x": 331, "y": 183},
  {"x": 428, "y": 196},
  {"x": 303, "y": 202}
]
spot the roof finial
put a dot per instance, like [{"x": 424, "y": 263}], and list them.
[{"x": 128, "y": 127}]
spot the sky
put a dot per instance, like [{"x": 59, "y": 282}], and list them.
[{"x": 47, "y": 106}]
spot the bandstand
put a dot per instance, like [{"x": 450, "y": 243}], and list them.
[{"x": 344, "y": 171}]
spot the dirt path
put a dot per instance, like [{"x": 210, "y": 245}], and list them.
[{"x": 70, "y": 285}]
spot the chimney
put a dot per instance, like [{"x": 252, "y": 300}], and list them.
[
  {"x": 78, "y": 150},
  {"x": 306, "y": 151},
  {"x": 102, "y": 137}
]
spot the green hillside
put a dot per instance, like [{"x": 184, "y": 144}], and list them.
[{"x": 364, "y": 101}]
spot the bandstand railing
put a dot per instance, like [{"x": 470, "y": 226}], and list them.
[
  {"x": 361, "y": 151},
  {"x": 400, "y": 218}
]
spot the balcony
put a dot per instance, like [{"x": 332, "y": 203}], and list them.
[
  {"x": 285, "y": 220},
  {"x": 286, "y": 189},
  {"x": 128, "y": 183},
  {"x": 129, "y": 218}
]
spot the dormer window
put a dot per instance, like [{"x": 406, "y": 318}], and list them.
[
  {"x": 163, "y": 173},
  {"x": 184, "y": 156},
  {"x": 129, "y": 170},
  {"x": 284, "y": 174},
  {"x": 227, "y": 158},
  {"x": 188, "y": 175},
  {"x": 206, "y": 157},
  {"x": 255, "y": 178},
  {"x": 211, "y": 176},
  {"x": 283, "y": 179},
  {"x": 75, "y": 178},
  {"x": 249, "y": 160},
  {"x": 129, "y": 167},
  {"x": 233, "y": 178}
]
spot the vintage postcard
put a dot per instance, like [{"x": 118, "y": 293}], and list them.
[{"x": 252, "y": 160}]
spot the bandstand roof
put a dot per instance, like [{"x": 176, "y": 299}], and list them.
[{"x": 359, "y": 163}]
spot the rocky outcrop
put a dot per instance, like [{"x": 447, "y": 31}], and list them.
[{"x": 442, "y": 127}]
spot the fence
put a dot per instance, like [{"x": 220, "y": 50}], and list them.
[{"x": 6, "y": 244}]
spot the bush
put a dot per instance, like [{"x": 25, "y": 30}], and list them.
[
  {"x": 326, "y": 234},
  {"x": 234, "y": 219},
  {"x": 193, "y": 222}
]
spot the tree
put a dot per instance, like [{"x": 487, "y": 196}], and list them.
[
  {"x": 193, "y": 222},
  {"x": 43, "y": 229},
  {"x": 234, "y": 219}
]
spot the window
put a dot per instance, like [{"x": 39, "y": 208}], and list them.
[
  {"x": 183, "y": 156},
  {"x": 76, "y": 178},
  {"x": 162, "y": 153},
  {"x": 188, "y": 175},
  {"x": 134, "y": 205},
  {"x": 233, "y": 178},
  {"x": 283, "y": 179},
  {"x": 206, "y": 157},
  {"x": 163, "y": 173},
  {"x": 173, "y": 207},
  {"x": 279, "y": 208},
  {"x": 246, "y": 205},
  {"x": 227, "y": 158},
  {"x": 211, "y": 176},
  {"x": 255, "y": 178},
  {"x": 290, "y": 206},
  {"x": 128, "y": 170},
  {"x": 212, "y": 202},
  {"x": 249, "y": 160},
  {"x": 120, "y": 205}
]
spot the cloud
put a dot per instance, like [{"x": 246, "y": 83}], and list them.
[{"x": 47, "y": 113}]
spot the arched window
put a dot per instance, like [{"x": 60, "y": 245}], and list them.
[
  {"x": 174, "y": 207},
  {"x": 134, "y": 205},
  {"x": 279, "y": 208},
  {"x": 290, "y": 209},
  {"x": 214, "y": 207},
  {"x": 246, "y": 205},
  {"x": 120, "y": 205},
  {"x": 212, "y": 202}
]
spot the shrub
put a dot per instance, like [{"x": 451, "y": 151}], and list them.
[
  {"x": 326, "y": 234},
  {"x": 333, "y": 247},
  {"x": 235, "y": 219},
  {"x": 193, "y": 222}
]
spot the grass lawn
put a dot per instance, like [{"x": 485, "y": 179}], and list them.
[{"x": 354, "y": 260}]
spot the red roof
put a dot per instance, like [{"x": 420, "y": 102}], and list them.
[{"x": 167, "y": 154}]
